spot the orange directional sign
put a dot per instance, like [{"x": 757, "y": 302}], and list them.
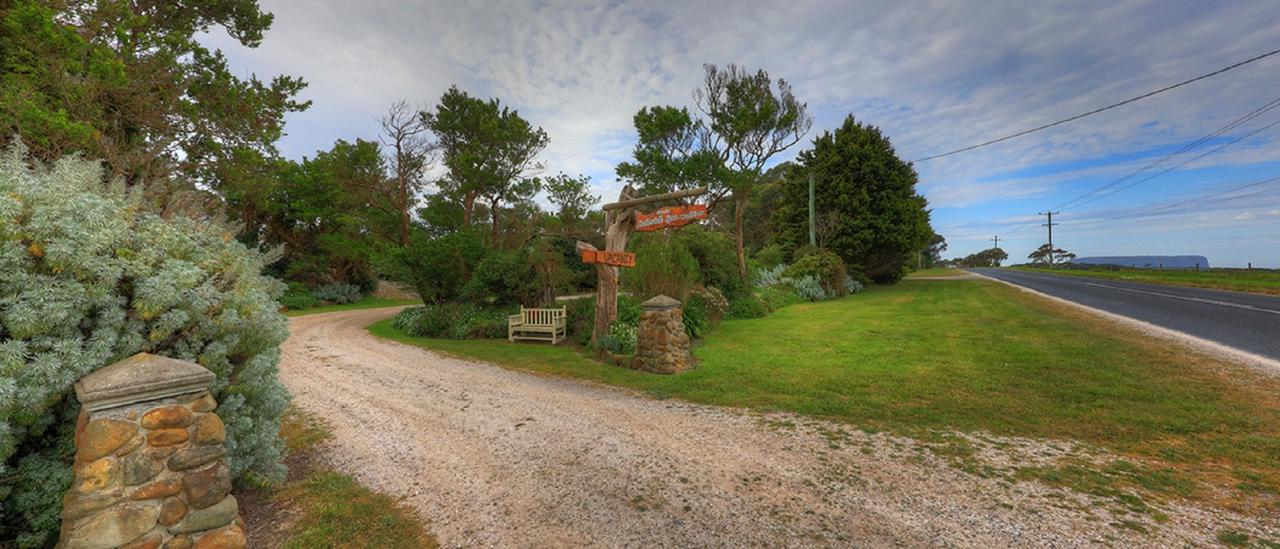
[
  {"x": 620, "y": 259},
  {"x": 674, "y": 216}
]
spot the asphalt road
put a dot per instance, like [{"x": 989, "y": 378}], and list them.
[{"x": 1248, "y": 322}]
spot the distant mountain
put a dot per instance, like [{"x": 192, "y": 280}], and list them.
[{"x": 1148, "y": 261}]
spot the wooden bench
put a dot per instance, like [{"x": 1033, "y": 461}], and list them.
[{"x": 537, "y": 324}]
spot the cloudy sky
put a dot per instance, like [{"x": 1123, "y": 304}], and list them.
[{"x": 934, "y": 75}]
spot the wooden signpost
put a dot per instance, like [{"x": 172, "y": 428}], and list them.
[
  {"x": 620, "y": 219},
  {"x": 673, "y": 216}
]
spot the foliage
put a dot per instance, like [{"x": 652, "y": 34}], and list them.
[
  {"x": 673, "y": 152},
  {"x": 453, "y": 321},
  {"x": 748, "y": 306},
  {"x": 932, "y": 255},
  {"x": 771, "y": 256},
  {"x": 436, "y": 267},
  {"x": 580, "y": 315},
  {"x": 808, "y": 288},
  {"x": 777, "y": 297},
  {"x": 662, "y": 269},
  {"x": 717, "y": 260},
  {"x": 489, "y": 150},
  {"x": 338, "y": 294},
  {"x": 87, "y": 277},
  {"x": 621, "y": 339},
  {"x": 990, "y": 257},
  {"x": 703, "y": 311},
  {"x": 771, "y": 276},
  {"x": 867, "y": 209},
  {"x": 130, "y": 83},
  {"x": 298, "y": 297},
  {"x": 571, "y": 196},
  {"x": 503, "y": 277},
  {"x": 822, "y": 266},
  {"x": 851, "y": 286},
  {"x": 1046, "y": 255}
]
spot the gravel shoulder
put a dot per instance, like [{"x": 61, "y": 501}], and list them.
[{"x": 492, "y": 457}]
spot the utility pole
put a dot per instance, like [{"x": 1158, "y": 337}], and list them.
[
  {"x": 813, "y": 226},
  {"x": 1050, "y": 225},
  {"x": 995, "y": 241}
]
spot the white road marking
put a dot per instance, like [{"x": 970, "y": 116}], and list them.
[{"x": 1187, "y": 298}]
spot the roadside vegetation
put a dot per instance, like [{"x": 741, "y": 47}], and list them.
[
  {"x": 368, "y": 302},
  {"x": 926, "y": 357},
  {"x": 324, "y": 508},
  {"x": 1259, "y": 281}
]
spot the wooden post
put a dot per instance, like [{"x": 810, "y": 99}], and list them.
[{"x": 619, "y": 223}]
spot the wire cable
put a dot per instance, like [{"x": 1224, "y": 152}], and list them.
[{"x": 1101, "y": 109}]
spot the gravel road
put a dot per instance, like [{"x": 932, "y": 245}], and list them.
[{"x": 497, "y": 458}]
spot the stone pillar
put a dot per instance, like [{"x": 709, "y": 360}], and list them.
[
  {"x": 150, "y": 470},
  {"x": 662, "y": 345}
]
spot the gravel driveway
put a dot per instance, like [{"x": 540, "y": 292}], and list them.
[{"x": 498, "y": 458}]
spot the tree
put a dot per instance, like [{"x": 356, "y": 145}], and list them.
[
  {"x": 1044, "y": 255},
  {"x": 404, "y": 132},
  {"x": 933, "y": 252},
  {"x": 490, "y": 150},
  {"x": 746, "y": 122},
  {"x": 990, "y": 257},
  {"x": 129, "y": 83},
  {"x": 867, "y": 207},
  {"x": 571, "y": 196}
]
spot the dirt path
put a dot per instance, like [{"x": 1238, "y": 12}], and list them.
[{"x": 493, "y": 457}]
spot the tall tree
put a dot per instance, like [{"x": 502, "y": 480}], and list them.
[
  {"x": 128, "y": 83},
  {"x": 866, "y": 203},
  {"x": 490, "y": 150},
  {"x": 1045, "y": 255},
  {"x": 571, "y": 196},
  {"x": 747, "y": 119},
  {"x": 411, "y": 153}
]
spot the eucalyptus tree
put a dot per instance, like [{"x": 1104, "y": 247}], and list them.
[
  {"x": 745, "y": 119},
  {"x": 490, "y": 150}
]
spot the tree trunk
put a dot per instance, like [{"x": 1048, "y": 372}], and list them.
[
  {"x": 404, "y": 216},
  {"x": 468, "y": 205},
  {"x": 618, "y": 225},
  {"x": 739, "y": 213},
  {"x": 493, "y": 216}
]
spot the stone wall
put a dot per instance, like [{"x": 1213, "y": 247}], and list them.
[
  {"x": 662, "y": 345},
  {"x": 150, "y": 470}
]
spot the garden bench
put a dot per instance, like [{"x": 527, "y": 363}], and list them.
[{"x": 537, "y": 324}]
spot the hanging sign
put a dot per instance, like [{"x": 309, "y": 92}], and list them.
[
  {"x": 619, "y": 259},
  {"x": 673, "y": 216}
]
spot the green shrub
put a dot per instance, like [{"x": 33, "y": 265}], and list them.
[
  {"x": 661, "y": 268},
  {"x": 88, "y": 277},
  {"x": 748, "y": 306},
  {"x": 621, "y": 339},
  {"x": 580, "y": 318},
  {"x": 717, "y": 258},
  {"x": 453, "y": 321},
  {"x": 771, "y": 256},
  {"x": 298, "y": 297},
  {"x": 703, "y": 311},
  {"x": 436, "y": 267},
  {"x": 777, "y": 297},
  {"x": 503, "y": 277},
  {"x": 407, "y": 320},
  {"x": 824, "y": 267},
  {"x": 339, "y": 293}
]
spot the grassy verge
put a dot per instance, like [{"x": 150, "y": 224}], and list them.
[
  {"x": 366, "y": 303},
  {"x": 1241, "y": 280},
  {"x": 331, "y": 509},
  {"x": 936, "y": 272},
  {"x": 974, "y": 356}
]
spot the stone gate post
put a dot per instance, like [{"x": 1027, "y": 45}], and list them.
[
  {"x": 150, "y": 467},
  {"x": 662, "y": 345}
]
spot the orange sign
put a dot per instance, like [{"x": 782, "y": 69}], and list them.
[
  {"x": 674, "y": 216},
  {"x": 620, "y": 259}
]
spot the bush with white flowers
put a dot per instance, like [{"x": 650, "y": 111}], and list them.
[{"x": 89, "y": 276}]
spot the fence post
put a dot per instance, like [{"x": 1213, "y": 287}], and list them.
[{"x": 150, "y": 466}]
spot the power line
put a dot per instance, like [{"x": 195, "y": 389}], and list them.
[
  {"x": 1098, "y": 110},
  {"x": 1191, "y": 203},
  {"x": 1185, "y": 148}
]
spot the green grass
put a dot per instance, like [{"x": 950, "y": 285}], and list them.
[
  {"x": 365, "y": 303},
  {"x": 969, "y": 356},
  {"x": 936, "y": 272},
  {"x": 1259, "y": 281},
  {"x": 332, "y": 509}
]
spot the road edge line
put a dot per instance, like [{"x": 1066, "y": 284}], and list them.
[{"x": 1258, "y": 362}]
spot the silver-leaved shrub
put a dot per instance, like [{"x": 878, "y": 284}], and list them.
[{"x": 89, "y": 276}]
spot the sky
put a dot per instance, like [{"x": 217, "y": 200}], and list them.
[{"x": 934, "y": 75}]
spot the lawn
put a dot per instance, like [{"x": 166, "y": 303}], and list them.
[
  {"x": 365, "y": 303},
  {"x": 936, "y": 273},
  {"x": 1261, "y": 281},
  {"x": 968, "y": 355}
]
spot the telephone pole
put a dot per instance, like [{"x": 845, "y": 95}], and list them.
[
  {"x": 995, "y": 241},
  {"x": 1050, "y": 225}
]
